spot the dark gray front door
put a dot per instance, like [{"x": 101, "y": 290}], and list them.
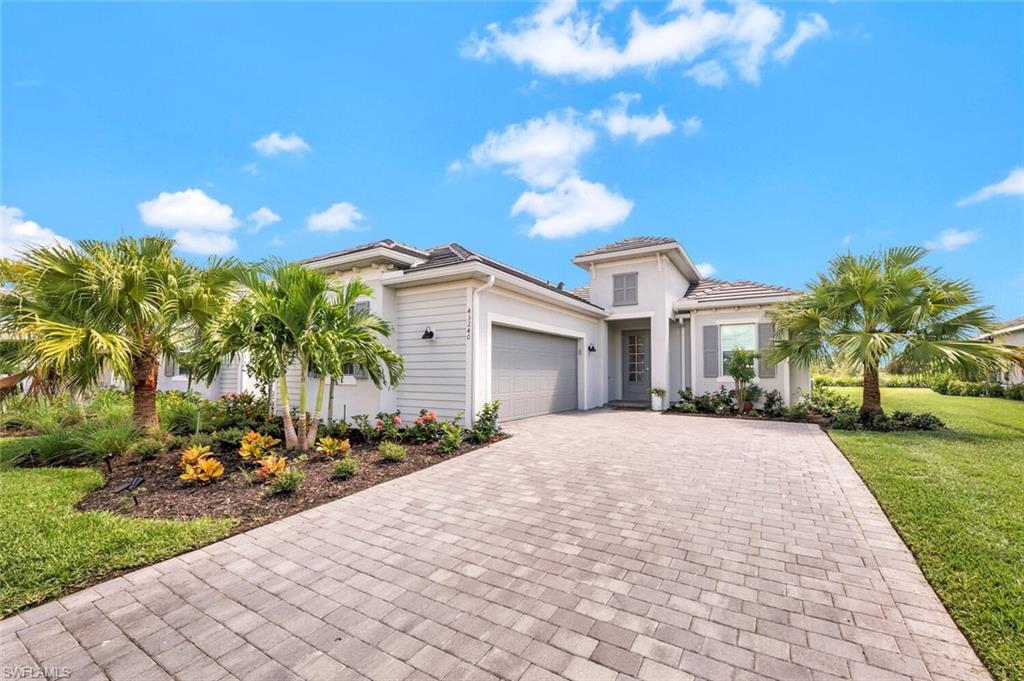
[{"x": 636, "y": 365}]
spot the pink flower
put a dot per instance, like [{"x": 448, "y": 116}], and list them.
[{"x": 398, "y": 420}]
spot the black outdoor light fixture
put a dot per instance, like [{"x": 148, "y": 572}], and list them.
[
  {"x": 591, "y": 348},
  {"x": 428, "y": 334},
  {"x": 130, "y": 486}
]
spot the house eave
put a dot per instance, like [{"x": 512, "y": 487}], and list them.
[
  {"x": 481, "y": 271},
  {"x": 675, "y": 253},
  {"x": 370, "y": 256},
  {"x": 685, "y": 305}
]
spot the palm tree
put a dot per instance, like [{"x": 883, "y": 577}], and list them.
[
  {"x": 114, "y": 307},
  {"x": 293, "y": 316},
  {"x": 888, "y": 308}
]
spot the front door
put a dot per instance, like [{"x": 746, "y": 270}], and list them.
[{"x": 636, "y": 365}]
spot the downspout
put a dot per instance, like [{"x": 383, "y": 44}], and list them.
[{"x": 475, "y": 346}]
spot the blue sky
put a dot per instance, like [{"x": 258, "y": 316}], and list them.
[{"x": 765, "y": 137}]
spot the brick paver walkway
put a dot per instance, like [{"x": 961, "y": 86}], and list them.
[{"x": 591, "y": 546}]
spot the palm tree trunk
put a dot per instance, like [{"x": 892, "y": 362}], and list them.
[
  {"x": 144, "y": 379},
  {"x": 290, "y": 439},
  {"x": 871, "y": 403},
  {"x": 317, "y": 407},
  {"x": 303, "y": 417}
]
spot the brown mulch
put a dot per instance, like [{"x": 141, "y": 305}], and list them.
[
  {"x": 812, "y": 417},
  {"x": 164, "y": 495}
]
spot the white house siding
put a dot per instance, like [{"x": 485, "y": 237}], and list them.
[
  {"x": 503, "y": 307},
  {"x": 1016, "y": 374},
  {"x": 435, "y": 370}
]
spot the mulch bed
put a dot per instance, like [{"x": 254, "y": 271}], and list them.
[
  {"x": 817, "y": 419},
  {"x": 164, "y": 495}
]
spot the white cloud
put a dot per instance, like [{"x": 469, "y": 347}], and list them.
[
  {"x": 455, "y": 166},
  {"x": 18, "y": 235},
  {"x": 619, "y": 122},
  {"x": 847, "y": 239},
  {"x": 562, "y": 39},
  {"x": 572, "y": 207},
  {"x": 1013, "y": 185},
  {"x": 709, "y": 73},
  {"x": 191, "y": 209},
  {"x": 339, "y": 217},
  {"x": 203, "y": 242},
  {"x": 275, "y": 143},
  {"x": 541, "y": 152},
  {"x": 810, "y": 28},
  {"x": 201, "y": 224},
  {"x": 706, "y": 269},
  {"x": 251, "y": 169},
  {"x": 952, "y": 239},
  {"x": 692, "y": 125},
  {"x": 262, "y": 217},
  {"x": 276, "y": 240}
]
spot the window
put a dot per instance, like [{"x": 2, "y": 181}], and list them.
[
  {"x": 624, "y": 289},
  {"x": 357, "y": 370},
  {"x": 735, "y": 337}
]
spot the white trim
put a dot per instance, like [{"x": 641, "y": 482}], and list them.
[
  {"x": 674, "y": 250},
  {"x": 494, "y": 318},
  {"x": 684, "y": 305}
]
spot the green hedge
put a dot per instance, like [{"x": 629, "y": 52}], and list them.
[
  {"x": 886, "y": 380},
  {"x": 947, "y": 385}
]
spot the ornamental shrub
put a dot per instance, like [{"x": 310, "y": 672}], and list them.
[
  {"x": 344, "y": 468},
  {"x": 391, "y": 451},
  {"x": 286, "y": 482},
  {"x": 451, "y": 437},
  {"x": 485, "y": 425}
]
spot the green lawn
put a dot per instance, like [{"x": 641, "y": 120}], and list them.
[
  {"x": 957, "y": 498},
  {"x": 48, "y": 549}
]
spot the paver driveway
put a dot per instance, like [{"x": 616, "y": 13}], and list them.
[{"x": 589, "y": 546}]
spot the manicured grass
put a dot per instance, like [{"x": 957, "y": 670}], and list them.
[
  {"x": 48, "y": 549},
  {"x": 957, "y": 498}
]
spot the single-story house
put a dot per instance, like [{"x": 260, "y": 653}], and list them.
[
  {"x": 473, "y": 330},
  {"x": 1010, "y": 332}
]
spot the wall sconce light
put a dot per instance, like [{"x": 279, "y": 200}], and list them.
[
  {"x": 428, "y": 334},
  {"x": 591, "y": 348}
]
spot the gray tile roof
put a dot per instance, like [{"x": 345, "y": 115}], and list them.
[
  {"x": 454, "y": 254},
  {"x": 629, "y": 244},
  {"x": 383, "y": 243},
  {"x": 718, "y": 291},
  {"x": 1009, "y": 323},
  {"x": 581, "y": 292}
]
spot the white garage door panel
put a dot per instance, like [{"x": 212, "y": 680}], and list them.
[{"x": 532, "y": 373}]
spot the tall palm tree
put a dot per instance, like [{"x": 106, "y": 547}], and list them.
[
  {"x": 293, "y": 316},
  {"x": 109, "y": 306},
  {"x": 888, "y": 308}
]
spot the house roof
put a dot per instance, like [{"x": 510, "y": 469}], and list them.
[
  {"x": 389, "y": 244},
  {"x": 629, "y": 244},
  {"x": 454, "y": 254},
  {"x": 712, "y": 291},
  {"x": 1008, "y": 326},
  {"x": 581, "y": 292}
]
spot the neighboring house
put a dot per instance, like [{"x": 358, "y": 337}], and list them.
[
  {"x": 472, "y": 330},
  {"x": 1010, "y": 332}
]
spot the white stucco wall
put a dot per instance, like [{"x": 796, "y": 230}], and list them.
[
  {"x": 1016, "y": 374},
  {"x": 788, "y": 380},
  {"x": 659, "y": 285},
  {"x": 502, "y": 306}
]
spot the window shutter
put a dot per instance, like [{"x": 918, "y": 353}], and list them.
[
  {"x": 765, "y": 335},
  {"x": 711, "y": 354},
  {"x": 170, "y": 370},
  {"x": 361, "y": 306},
  {"x": 618, "y": 290}
]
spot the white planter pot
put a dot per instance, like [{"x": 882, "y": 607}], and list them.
[{"x": 656, "y": 402}]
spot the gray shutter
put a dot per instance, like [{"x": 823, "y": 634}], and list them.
[
  {"x": 169, "y": 369},
  {"x": 618, "y": 289},
  {"x": 711, "y": 353},
  {"x": 765, "y": 335}
]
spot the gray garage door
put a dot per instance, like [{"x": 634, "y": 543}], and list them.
[{"x": 532, "y": 373}]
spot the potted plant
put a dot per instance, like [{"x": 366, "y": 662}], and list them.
[
  {"x": 657, "y": 399},
  {"x": 740, "y": 366}
]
